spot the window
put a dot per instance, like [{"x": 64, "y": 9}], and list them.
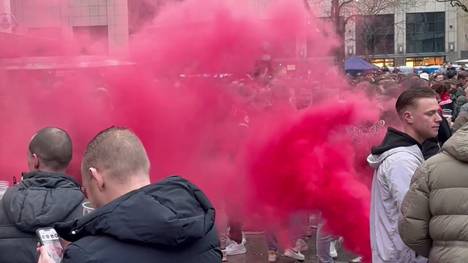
[
  {"x": 375, "y": 34},
  {"x": 389, "y": 62},
  {"x": 91, "y": 39},
  {"x": 424, "y": 61},
  {"x": 425, "y": 32}
]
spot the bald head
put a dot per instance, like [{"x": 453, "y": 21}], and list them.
[
  {"x": 53, "y": 147},
  {"x": 117, "y": 152}
]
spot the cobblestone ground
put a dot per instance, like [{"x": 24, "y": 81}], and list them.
[{"x": 257, "y": 252}]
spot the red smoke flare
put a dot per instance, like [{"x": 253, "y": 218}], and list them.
[{"x": 310, "y": 164}]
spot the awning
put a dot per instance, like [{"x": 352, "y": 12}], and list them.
[{"x": 358, "y": 64}]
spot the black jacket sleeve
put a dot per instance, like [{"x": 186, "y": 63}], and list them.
[{"x": 445, "y": 132}]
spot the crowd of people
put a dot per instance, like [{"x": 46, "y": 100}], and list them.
[
  {"x": 133, "y": 221},
  {"x": 419, "y": 191},
  {"x": 414, "y": 135},
  {"x": 418, "y": 197}
]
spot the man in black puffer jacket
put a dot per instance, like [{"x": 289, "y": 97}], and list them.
[
  {"x": 135, "y": 221},
  {"x": 46, "y": 195}
]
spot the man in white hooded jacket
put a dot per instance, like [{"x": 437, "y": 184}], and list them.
[{"x": 395, "y": 162}]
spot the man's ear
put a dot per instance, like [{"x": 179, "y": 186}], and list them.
[
  {"x": 408, "y": 117},
  {"x": 35, "y": 161},
  {"x": 97, "y": 176}
]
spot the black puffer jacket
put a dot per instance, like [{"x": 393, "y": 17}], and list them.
[
  {"x": 40, "y": 200},
  {"x": 168, "y": 222}
]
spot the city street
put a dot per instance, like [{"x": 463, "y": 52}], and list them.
[{"x": 279, "y": 131}]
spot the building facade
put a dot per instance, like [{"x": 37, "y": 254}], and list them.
[
  {"x": 410, "y": 33},
  {"x": 99, "y": 22},
  {"x": 418, "y": 34}
]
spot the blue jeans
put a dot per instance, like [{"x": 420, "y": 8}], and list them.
[
  {"x": 272, "y": 242},
  {"x": 296, "y": 226},
  {"x": 323, "y": 244}
]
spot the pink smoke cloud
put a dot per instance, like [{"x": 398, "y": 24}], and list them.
[{"x": 241, "y": 140}]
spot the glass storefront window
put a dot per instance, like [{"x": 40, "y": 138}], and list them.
[
  {"x": 380, "y": 62},
  {"x": 425, "y": 32},
  {"x": 424, "y": 61}
]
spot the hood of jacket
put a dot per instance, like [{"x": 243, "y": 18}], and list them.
[
  {"x": 394, "y": 142},
  {"x": 457, "y": 145},
  {"x": 393, "y": 139},
  {"x": 41, "y": 199},
  {"x": 170, "y": 213}
]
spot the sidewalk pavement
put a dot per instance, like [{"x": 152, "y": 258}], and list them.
[{"x": 257, "y": 251}]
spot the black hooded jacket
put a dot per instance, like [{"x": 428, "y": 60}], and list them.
[
  {"x": 40, "y": 200},
  {"x": 395, "y": 138},
  {"x": 171, "y": 221}
]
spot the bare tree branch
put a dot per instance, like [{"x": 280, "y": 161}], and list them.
[
  {"x": 455, "y": 3},
  {"x": 345, "y": 3}
]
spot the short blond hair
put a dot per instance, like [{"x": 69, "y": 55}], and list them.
[{"x": 117, "y": 151}]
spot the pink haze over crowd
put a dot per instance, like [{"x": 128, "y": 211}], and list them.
[{"x": 240, "y": 140}]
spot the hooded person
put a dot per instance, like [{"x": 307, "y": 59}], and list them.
[
  {"x": 394, "y": 163},
  {"x": 433, "y": 221},
  {"x": 136, "y": 221},
  {"x": 46, "y": 195}
]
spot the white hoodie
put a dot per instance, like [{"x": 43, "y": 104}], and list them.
[{"x": 392, "y": 177}]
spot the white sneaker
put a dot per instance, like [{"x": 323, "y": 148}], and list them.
[
  {"x": 356, "y": 260},
  {"x": 333, "y": 252},
  {"x": 272, "y": 256},
  {"x": 290, "y": 253},
  {"x": 234, "y": 248}
]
